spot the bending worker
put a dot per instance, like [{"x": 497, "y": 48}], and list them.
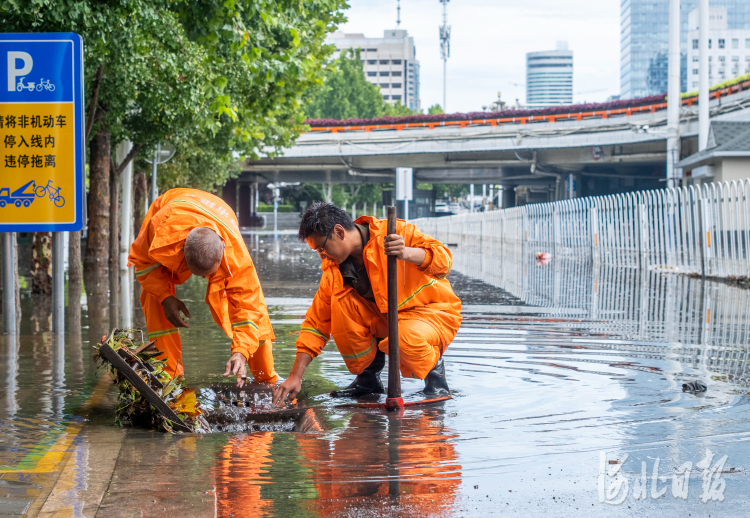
[
  {"x": 190, "y": 232},
  {"x": 352, "y": 302}
]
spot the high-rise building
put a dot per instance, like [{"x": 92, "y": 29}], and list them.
[
  {"x": 644, "y": 42},
  {"x": 728, "y": 49},
  {"x": 549, "y": 77},
  {"x": 389, "y": 62}
]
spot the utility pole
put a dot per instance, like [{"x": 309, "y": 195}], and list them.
[
  {"x": 673, "y": 94},
  {"x": 445, "y": 50},
  {"x": 398, "y": 13}
]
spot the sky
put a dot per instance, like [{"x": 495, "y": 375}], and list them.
[{"x": 489, "y": 42}]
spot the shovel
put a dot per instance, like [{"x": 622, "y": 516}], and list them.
[{"x": 394, "y": 400}]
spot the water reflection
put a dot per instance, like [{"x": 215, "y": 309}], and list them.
[
  {"x": 379, "y": 463},
  {"x": 409, "y": 463},
  {"x": 566, "y": 361},
  {"x": 238, "y": 473},
  {"x": 10, "y": 375}
]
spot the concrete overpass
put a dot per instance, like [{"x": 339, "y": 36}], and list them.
[{"x": 604, "y": 152}]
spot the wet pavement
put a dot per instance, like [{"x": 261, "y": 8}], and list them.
[{"x": 567, "y": 401}]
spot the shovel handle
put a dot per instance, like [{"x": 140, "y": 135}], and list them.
[{"x": 394, "y": 374}]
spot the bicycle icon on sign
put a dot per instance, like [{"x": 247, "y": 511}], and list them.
[
  {"x": 54, "y": 193},
  {"x": 42, "y": 85},
  {"x": 46, "y": 85}
]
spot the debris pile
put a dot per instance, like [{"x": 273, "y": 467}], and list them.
[
  {"x": 178, "y": 408},
  {"x": 150, "y": 397}
]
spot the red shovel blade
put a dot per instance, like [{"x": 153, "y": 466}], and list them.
[{"x": 394, "y": 403}]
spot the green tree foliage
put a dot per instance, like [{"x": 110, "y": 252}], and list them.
[
  {"x": 220, "y": 79},
  {"x": 233, "y": 71},
  {"x": 443, "y": 191},
  {"x": 398, "y": 110},
  {"x": 347, "y": 94},
  {"x": 435, "y": 109}
]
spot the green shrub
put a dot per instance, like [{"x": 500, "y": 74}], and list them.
[{"x": 264, "y": 207}]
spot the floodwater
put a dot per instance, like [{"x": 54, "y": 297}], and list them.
[{"x": 567, "y": 401}]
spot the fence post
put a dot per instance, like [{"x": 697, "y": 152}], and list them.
[
  {"x": 643, "y": 234},
  {"x": 700, "y": 228},
  {"x": 594, "y": 226}
]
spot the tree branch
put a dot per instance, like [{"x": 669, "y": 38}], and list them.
[
  {"x": 94, "y": 100},
  {"x": 128, "y": 158}
]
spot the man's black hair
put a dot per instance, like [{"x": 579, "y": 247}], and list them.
[{"x": 320, "y": 219}]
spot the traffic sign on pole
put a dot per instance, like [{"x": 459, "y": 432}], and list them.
[{"x": 41, "y": 132}]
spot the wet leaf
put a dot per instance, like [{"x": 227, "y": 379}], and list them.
[{"x": 185, "y": 402}]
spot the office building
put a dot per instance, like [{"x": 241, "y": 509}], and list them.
[
  {"x": 389, "y": 62},
  {"x": 644, "y": 42},
  {"x": 549, "y": 77},
  {"x": 728, "y": 49}
]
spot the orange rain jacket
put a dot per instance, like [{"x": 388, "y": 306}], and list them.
[
  {"x": 424, "y": 293},
  {"x": 234, "y": 293}
]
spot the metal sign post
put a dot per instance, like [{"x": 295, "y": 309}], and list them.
[
  {"x": 9, "y": 284},
  {"x": 162, "y": 154},
  {"x": 41, "y": 130},
  {"x": 404, "y": 187}
]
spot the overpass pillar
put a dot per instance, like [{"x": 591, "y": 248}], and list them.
[
  {"x": 229, "y": 194},
  {"x": 245, "y": 212},
  {"x": 509, "y": 197}
]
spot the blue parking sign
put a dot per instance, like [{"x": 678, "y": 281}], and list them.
[{"x": 42, "y": 148}]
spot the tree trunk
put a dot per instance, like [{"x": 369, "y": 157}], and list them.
[
  {"x": 328, "y": 192},
  {"x": 114, "y": 247},
  {"x": 73, "y": 310},
  {"x": 14, "y": 237},
  {"x": 95, "y": 264},
  {"x": 41, "y": 263},
  {"x": 139, "y": 208}
]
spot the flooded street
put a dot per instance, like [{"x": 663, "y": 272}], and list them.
[{"x": 568, "y": 401}]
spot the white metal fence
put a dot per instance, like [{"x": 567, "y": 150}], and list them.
[{"x": 703, "y": 230}]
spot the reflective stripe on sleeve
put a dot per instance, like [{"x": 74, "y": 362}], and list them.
[
  {"x": 139, "y": 273},
  {"x": 246, "y": 323},
  {"x": 314, "y": 331}
]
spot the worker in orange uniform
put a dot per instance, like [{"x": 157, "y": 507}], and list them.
[
  {"x": 352, "y": 302},
  {"x": 186, "y": 232}
]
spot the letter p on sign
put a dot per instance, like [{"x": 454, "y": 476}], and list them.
[{"x": 14, "y": 72}]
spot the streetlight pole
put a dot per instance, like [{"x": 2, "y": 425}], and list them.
[
  {"x": 703, "y": 101},
  {"x": 673, "y": 94},
  {"x": 445, "y": 50}
]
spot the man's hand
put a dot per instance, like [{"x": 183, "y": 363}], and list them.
[
  {"x": 395, "y": 245},
  {"x": 290, "y": 387},
  {"x": 237, "y": 366},
  {"x": 172, "y": 307}
]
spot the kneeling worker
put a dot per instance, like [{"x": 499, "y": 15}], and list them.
[
  {"x": 190, "y": 232},
  {"x": 352, "y": 302}
]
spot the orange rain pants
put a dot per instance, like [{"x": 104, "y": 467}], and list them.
[
  {"x": 429, "y": 313},
  {"x": 233, "y": 294},
  {"x": 168, "y": 340}
]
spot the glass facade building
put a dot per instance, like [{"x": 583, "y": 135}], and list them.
[
  {"x": 549, "y": 77},
  {"x": 644, "y": 42}
]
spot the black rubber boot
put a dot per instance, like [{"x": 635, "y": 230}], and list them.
[
  {"x": 366, "y": 383},
  {"x": 435, "y": 384}
]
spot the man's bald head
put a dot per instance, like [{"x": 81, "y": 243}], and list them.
[{"x": 203, "y": 251}]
